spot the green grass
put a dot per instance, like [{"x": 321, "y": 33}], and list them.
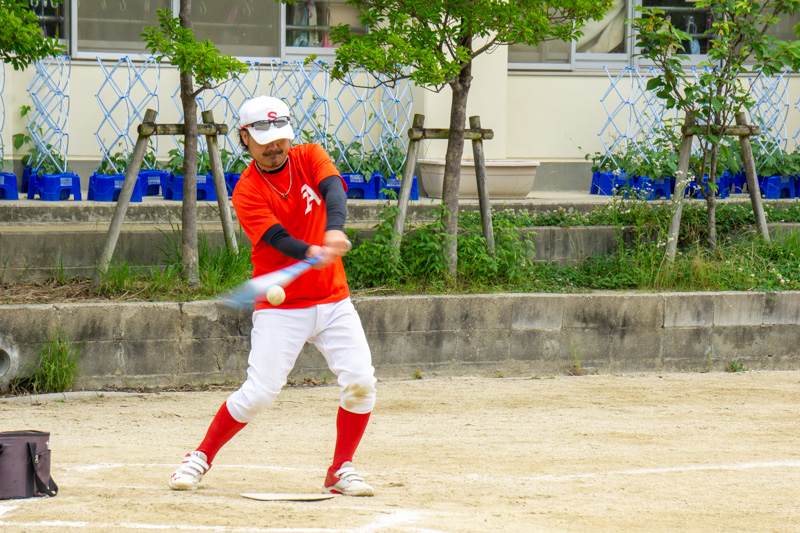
[
  {"x": 740, "y": 262},
  {"x": 220, "y": 269},
  {"x": 735, "y": 366},
  {"x": 57, "y": 368}
]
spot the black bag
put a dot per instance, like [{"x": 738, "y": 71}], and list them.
[{"x": 25, "y": 465}]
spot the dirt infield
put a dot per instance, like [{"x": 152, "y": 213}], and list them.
[{"x": 671, "y": 452}]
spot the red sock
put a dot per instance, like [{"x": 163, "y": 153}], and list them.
[
  {"x": 221, "y": 430},
  {"x": 349, "y": 430}
]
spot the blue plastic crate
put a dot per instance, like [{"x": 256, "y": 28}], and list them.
[
  {"x": 605, "y": 183},
  {"x": 205, "y": 188},
  {"x": 106, "y": 188},
  {"x": 8, "y": 186},
  {"x": 693, "y": 190},
  {"x": 655, "y": 189},
  {"x": 393, "y": 184},
  {"x": 27, "y": 173},
  {"x": 360, "y": 188},
  {"x": 737, "y": 181},
  {"x": 152, "y": 182},
  {"x": 230, "y": 182},
  {"x": 777, "y": 187},
  {"x": 55, "y": 187}
]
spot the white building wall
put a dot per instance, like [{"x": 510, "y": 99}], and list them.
[
  {"x": 551, "y": 117},
  {"x": 487, "y": 99}
]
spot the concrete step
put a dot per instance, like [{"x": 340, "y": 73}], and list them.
[{"x": 155, "y": 210}]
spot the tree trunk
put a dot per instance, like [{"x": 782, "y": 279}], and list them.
[
  {"x": 452, "y": 165},
  {"x": 680, "y": 186},
  {"x": 190, "y": 256},
  {"x": 711, "y": 200}
]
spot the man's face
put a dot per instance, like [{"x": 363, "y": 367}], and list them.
[{"x": 268, "y": 156}]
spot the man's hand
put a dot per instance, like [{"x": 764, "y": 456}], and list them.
[{"x": 334, "y": 245}]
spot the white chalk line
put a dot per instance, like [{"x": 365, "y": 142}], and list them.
[
  {"x": 665, "y": 470},
  {"x": 399, "y": 517},
  {"x": 138, "y": 526},
  {"x": 394, "y": 518},
  {"x": 106, "y": 466},
  {"x": 387, "y": 518},
  {"x": 6, "y": 508},
  {"x": 543, "y": 477}
]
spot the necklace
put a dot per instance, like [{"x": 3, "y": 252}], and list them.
[{"x": 284, "y": 194}]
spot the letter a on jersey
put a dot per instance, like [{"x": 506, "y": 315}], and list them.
[{"x": 310, "y": 196}]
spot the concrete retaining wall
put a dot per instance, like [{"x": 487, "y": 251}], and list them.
[
  {"x": 35, "y": 255},
  {"x": 65, "y": 239},
  {"x": 161, "y": 344}
]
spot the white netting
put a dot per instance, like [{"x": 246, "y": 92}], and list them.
[
  {"x": 362, "y": 128},
  {"x": 48, "y": 125},
  {"x": 637, "y": 118},
  {"x": 126, "y": 92}
]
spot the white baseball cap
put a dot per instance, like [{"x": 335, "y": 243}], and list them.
[{"x": 263, "y": 110}]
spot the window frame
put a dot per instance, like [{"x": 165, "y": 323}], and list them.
[
  {"x": 579, "y": 61},
  {"x": 286, "y": 52},
  {"x": 583, "y": 61}
]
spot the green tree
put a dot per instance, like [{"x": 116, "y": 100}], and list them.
[
  {"x": 439, "y": 39},
  {"x": 719, "y": 91},
  {"x": 21, "y": 39},
  {"x": 200, "y": 63}
]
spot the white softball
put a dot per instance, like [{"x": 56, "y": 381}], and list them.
[{"x": 276, "y": 295}]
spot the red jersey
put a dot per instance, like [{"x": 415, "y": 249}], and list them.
[{"x": 302, "y": 213}]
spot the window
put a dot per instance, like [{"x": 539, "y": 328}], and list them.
[
  {"x": 784, "y": 29},
  {"x": 52, "y": 17},
  {"x": 241, "y": 28},
  {"x": 114, "y": 25},
  {"x": 698, "y": 23},
  {"x": 308, "y": 22},
  {"x": 250, "y": 29},
  {"x": 603, "y": 42},
  {"x": 608, "y": 42},
  {"x": 694, "y": 21}
]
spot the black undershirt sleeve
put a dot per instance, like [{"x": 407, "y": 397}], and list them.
[
  {"x": 336, "y": 209},
  {"x": 335, "y": 202}
]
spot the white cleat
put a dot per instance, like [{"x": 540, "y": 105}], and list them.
[
  {"x": 190, "y": 472},
  {"x": 350, "y": 483}
]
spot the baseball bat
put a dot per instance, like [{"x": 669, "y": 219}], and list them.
[{"x": 242, "y": 295}]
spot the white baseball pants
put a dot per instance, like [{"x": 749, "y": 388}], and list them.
[{"x": 277, "y": 338}]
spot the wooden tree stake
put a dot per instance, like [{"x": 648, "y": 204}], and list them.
[
  {"x": 752, "y": 180},
  {"x": 405, "y": 186},
  {"x": 483, "y": 187},
  {"x": 416, "y": 134},
  {"x": 219, "y": 184},
  {"x": 131, "y": 176},
  {"x": 147, "y": 128}
]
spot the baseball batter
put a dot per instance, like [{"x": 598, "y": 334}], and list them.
[{"x": 290, "y": 202}]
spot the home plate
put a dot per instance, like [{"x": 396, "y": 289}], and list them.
[{"x": 286, "y": 497}]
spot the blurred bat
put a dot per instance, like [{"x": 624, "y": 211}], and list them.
[{"x": 242, "y": 296}]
